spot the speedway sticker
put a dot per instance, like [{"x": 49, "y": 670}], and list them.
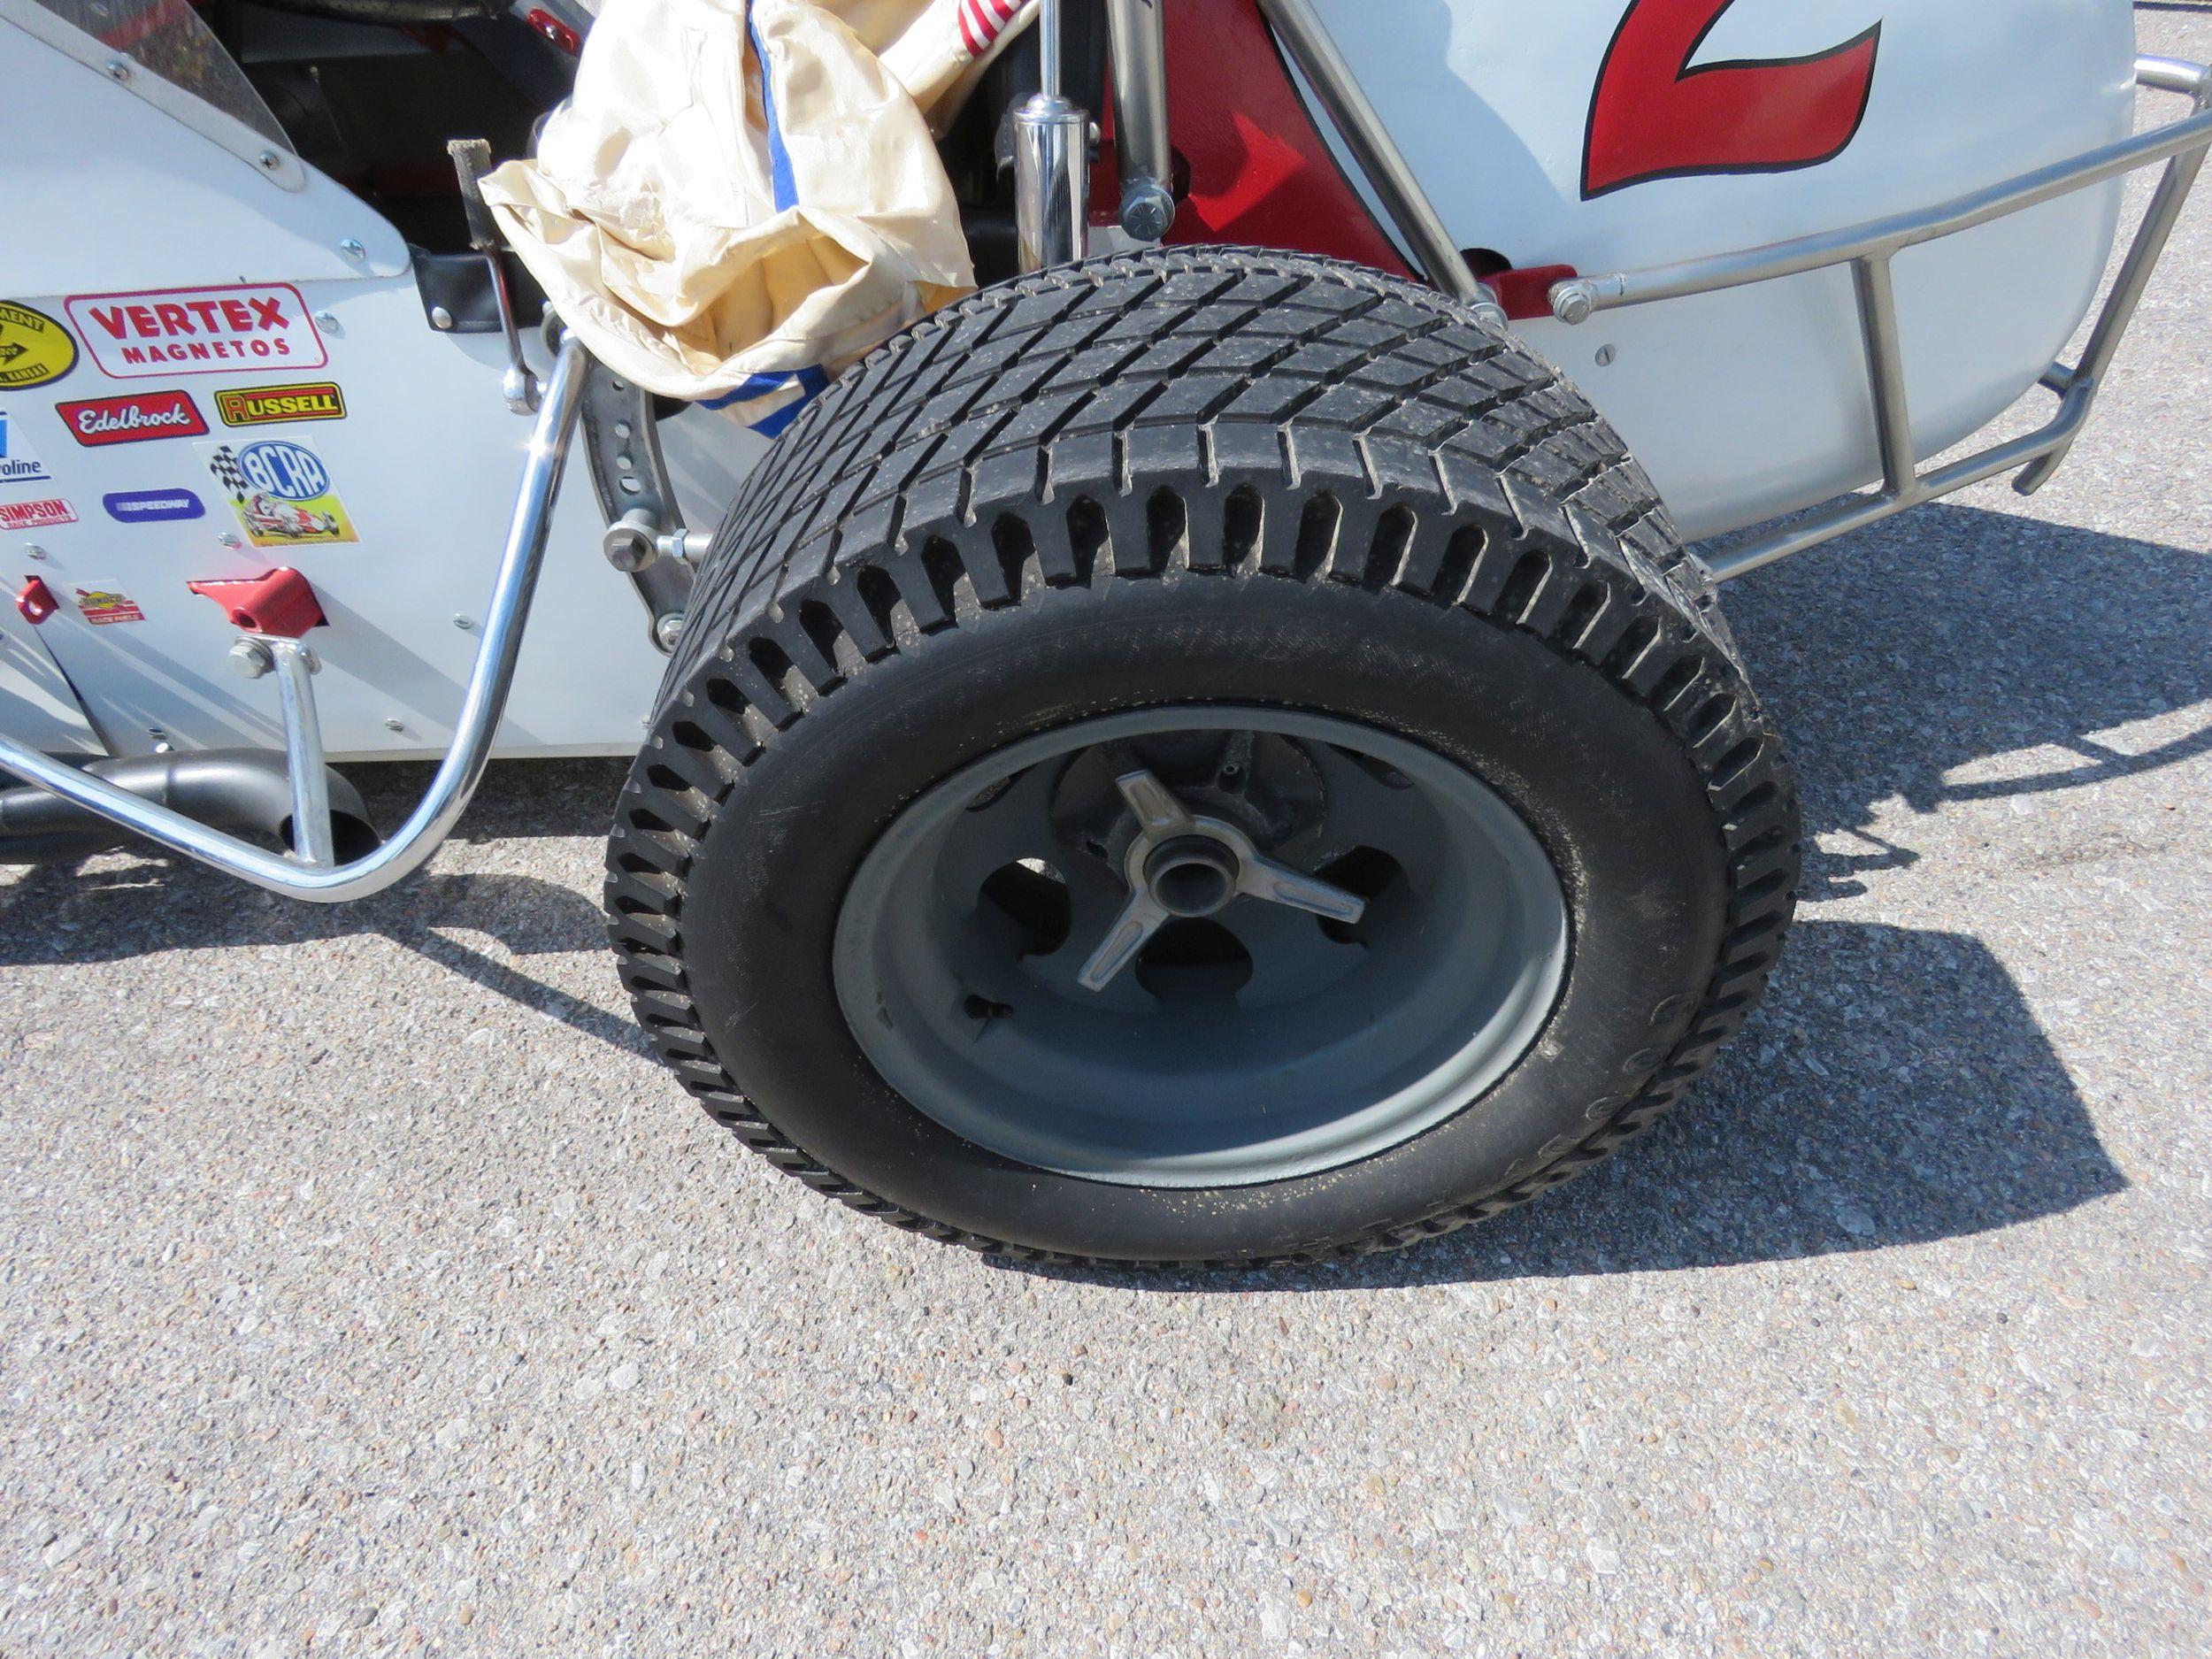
[
  {"x": 153, "y": 506},
  {"x": 19, "y": 462},
  {"x": 101, "y": 603},
  {"x": 197, "y": 331},
  {"x": 98, "y": 421},
  {"x": 33, "y": 348},
  {"x": 34, "y": 515},
  {"x": 265, "y": 405},
  {"x": 282, "y": 491}
]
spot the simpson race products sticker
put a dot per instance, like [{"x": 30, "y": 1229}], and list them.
[
  {"x": 265, "y": 405},
  {"x": 197, "y": 331},
  {"x": 133, "y": 419},
  {"x": 31, "y": 515},
  {"x": 103, "y": 602},
  {"x": 280, "y": 491},
  {"x": 18, "y": 463},
  {"x": 153, "y": 506},
  {"x": 33, "y": 348}
]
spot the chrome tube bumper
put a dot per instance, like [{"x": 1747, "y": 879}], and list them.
[
  {"x": 1869, "y": 248},
  {"x": 309, "y": 872}
]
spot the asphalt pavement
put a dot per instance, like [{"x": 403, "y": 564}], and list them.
[{"x": 365, "y": 1289}]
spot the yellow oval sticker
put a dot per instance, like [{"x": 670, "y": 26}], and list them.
[{"x": 33, "y": 348}]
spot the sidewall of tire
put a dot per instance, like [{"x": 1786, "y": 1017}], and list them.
[{"x": 1607, "y": 789}]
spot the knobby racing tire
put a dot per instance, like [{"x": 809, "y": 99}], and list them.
[{"x": 1366, "y": 602}]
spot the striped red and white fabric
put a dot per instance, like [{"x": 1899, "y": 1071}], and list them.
[{"x": 983, "y": 21}]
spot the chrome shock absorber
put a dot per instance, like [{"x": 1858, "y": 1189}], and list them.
[{"x": 1052, "y": 160}]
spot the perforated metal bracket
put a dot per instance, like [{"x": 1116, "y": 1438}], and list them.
[{"x": 646, "y": 538}]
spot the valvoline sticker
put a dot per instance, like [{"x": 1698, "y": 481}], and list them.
[{"x": 153, "y": 506}]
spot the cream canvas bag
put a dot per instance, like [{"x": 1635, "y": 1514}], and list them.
[{"x": 741, "y": 197}]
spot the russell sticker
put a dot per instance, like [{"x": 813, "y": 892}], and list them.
[
  {"x": 133, "y": 419},
  {"x": 19, "y": 462},
  {"x": 282, "y": 491},
  {"x": 33, "y": 348},
  {"x": 266, "y": 405},
  {"x": 197, "y": 331},
  {"x": 102, "y": 603},
  {"x": 153, "y": 506},
  {"x": 33, "y": 515}
]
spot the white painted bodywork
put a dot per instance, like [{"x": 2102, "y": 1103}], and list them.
[
  {"x": 1747, "y": 405},
  {"x": 1741, "y": 404}
]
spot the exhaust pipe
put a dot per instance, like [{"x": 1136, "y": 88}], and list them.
[{"x": 230, "y": 789}]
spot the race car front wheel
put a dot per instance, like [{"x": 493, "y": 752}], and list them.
[{"x": 1200, "y": 758}]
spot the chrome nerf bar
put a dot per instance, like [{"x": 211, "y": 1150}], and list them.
[
  {"x": 310, "y": 874},
  {"x": 1869, "y": 248}
]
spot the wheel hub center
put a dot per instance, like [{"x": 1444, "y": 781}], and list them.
[{"x": 1192, "y": 875}]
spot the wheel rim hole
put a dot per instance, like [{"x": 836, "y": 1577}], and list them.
[
  {"x": 1194, "y": 959},
  {"x": 1372, "y": 873},
  {"x": 1033, "y": 895}
]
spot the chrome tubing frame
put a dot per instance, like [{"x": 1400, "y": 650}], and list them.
[
  {"x": 457, "y": 776},
  {"x": 1869, "y": 248}
]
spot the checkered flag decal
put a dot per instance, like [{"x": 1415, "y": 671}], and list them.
[{"x": 224, "y": 464}]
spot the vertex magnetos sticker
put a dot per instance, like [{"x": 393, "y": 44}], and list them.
[
  {"x": 33, "y": 348},
  {"x": 266, "y": 405},
  {"x": 19, "y": 462},
  {"x": 282, "y": 491},
  {"x": 133, "y": 418},
  {"x": 197, "y": 331},
  {"x": 36, "y": 515},
  {"x": 101, "y": 603}
]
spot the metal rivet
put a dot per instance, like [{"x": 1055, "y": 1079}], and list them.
[
  {"x": 441, "y": 317},
  {"x": 227, "y": 539},
  {"x": 35, "y": 551},
  {"x": 464, "y": 624},
  {"x": 631, "y": 487},
  {"x": 622, "y": 429},
  {"x": 1606, "y": 354},
  {"x": 395, "y": 725},
  {"x": 270, "y": 160},
  {"x": 327, "y": 320},
  {"x": 669, "y": 629},
  {"x": 352, "y": 249},
  {"x": 117, "y": 70}
]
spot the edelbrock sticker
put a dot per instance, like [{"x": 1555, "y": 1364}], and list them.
[
  {"x": 101, "y": 603},
  {"x": 31, "y": 515},
  {"x": 266, "y": 405},
  {"x": 98, "y": 421},
  {"x": 197, "y": 331},
  {"x": 282, "y": 491},
  {"x": 19, "y": 462},
  {"x": 153, "y": 506},
  {"x": 33, "y": 348}
]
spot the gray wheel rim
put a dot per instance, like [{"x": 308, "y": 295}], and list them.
[{"x": 1295, "y": 1045}]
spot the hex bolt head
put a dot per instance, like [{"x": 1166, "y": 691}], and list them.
[
  {"x": 1147, "y": 210},
  {"x": 1573, "y": 302},
  {"x": 118, "y": 71},
  {"x": 352, "y": 249},
  {"x": 669, "y": 629},
  {"x": 249, "y": 659}
]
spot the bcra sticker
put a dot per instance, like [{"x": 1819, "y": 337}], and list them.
[
  {"x": 19, "y": 462},
  {"x": 280, "y": 491},
  {"x": 33, "y": 348},
  {"x": 266, "y": 405},
  {"x": 36, "y": 515},
  {"x": 197, "y": 331},
  {"x": 99, "y": 421},
  {"x": 101, "y": 603}
]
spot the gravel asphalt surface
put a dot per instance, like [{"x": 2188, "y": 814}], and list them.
[{"x": 364, "y": 1287}]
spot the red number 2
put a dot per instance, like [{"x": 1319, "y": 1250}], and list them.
[{"x": 1654, "y": 116}]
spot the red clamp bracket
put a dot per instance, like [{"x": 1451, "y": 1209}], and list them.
[
  {"x": 280, "y": 603},
  {"x": 1526, "y": 295},
  {"x": 36, "y": 601}
]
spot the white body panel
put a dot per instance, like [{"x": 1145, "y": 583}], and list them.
[
  {"x": 1747, "y": 405},
  {"x": 107, "y": 196}
]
